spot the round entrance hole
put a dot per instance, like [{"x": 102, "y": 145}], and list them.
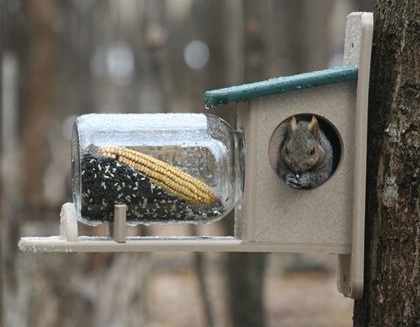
[{"x": 299, "y": 163}]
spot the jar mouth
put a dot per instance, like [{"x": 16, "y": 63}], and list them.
[{"x": 239, "y": 153}]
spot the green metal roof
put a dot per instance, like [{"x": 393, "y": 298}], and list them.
[{"x": 278, "y": 85}]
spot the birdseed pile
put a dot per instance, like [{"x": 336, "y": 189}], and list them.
[{"x": 105, "y": 181}]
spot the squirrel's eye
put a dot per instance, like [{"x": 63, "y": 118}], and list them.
[{"x": 312, "y": 151}]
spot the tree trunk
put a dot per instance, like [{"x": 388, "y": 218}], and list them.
[
  {"x": 392, "y": 268},
  {"x": 1, "y": 163},
  {"x": 246, "y": 270}
]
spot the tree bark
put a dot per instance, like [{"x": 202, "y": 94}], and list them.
[
  {"x": 1, "y": 164},
  {"x": 392, "y": 265}
]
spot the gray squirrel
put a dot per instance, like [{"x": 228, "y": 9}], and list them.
[{"x": 305, "y": 158}]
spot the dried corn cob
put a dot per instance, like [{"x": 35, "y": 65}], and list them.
[{"x": 168, "y": 177}]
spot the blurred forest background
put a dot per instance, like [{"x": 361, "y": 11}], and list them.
[{"x": 65, "y": 58}]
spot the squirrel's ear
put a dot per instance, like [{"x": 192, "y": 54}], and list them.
[
  {"x": 314, "y": 127},
  {"x": 292, "y": 124}
]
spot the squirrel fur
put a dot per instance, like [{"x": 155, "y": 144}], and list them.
[{"x": 306, "y": 156}]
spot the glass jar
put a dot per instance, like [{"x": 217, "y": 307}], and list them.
[{"x": 167, "y": 168}]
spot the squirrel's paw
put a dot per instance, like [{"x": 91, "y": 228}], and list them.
[{"x": 299, "y": 181}]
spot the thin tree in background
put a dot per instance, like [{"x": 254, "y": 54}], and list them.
[{"x": 246, "y": 270}]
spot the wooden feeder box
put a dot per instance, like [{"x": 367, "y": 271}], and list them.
[{"x": 273, "y": 216}]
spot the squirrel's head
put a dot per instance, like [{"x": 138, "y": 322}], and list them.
[{"x": 301, "y": 151}]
